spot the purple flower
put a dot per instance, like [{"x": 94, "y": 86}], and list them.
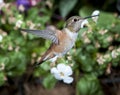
[{"x": 25, "y": 3}]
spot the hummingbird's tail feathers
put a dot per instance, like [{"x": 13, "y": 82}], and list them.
[
  {"x": 37, "y": 64},
  {"x": 47, "y": 56}
]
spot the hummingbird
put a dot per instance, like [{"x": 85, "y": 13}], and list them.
[{"x": 62, "y": 40}]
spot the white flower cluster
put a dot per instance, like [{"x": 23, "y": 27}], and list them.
[
  {"x": 63, "y": 72},
  {"x": 19, "y": 23},
  {"x": 104, "y": 58}
]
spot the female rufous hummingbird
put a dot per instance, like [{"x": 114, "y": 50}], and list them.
[{"x": 62, "y": 40}]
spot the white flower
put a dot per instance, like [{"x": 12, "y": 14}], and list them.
[
  {"x": 19, "y": 23},
  {"x": 21, "y": 8},
  {"x": 84, "y": 23},
  {"x": 1, "y": 4},
  {"x": 1, "y": 38},
  {"x": 100, "y": 60},
  {"x": 114, "y": 54},
  {"x": 96, "y": 12},
  {"x": 62, "y": 72},
  {"x": 1, "y": 1},
  {"x": 2, "y": 66}
]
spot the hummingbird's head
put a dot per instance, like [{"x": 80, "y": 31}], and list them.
[{"x": 74, "y": 23}]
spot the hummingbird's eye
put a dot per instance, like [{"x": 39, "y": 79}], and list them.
[{"x": 75, "y": 20}]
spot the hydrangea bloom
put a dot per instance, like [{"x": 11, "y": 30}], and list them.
[{"x": 62, "y": 72}]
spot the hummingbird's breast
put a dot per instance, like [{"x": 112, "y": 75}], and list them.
[{"x": 66, "y": 42}]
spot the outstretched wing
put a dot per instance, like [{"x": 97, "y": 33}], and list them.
[{"x": 46, "y": 34}]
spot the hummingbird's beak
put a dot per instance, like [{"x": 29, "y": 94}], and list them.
[{"x": 90, "y": 16}]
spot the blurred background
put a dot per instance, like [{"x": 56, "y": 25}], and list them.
[{"x": 95, "y": 59}]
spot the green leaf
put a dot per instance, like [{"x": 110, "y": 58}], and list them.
[
  {"x": 45, "y": 65},
  {"x": 85, "y": 60},
  {"x": 89, "y": 85},
  {"x": 65, "y": 6},
  {"x": 42, "y": 70},
  {"x": 17, "y": 63},
  {"x": 49, "y": 82},
  {"x": 106, "y": 20},
  {"x": 116, "y": 28},
  {"x": 86, "y": 11},
  {"x": 2, "y": 80},
  {"x": 34, "y": 15}
]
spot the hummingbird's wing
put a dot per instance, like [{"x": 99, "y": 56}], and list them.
[{"x": 46, "y": 34}]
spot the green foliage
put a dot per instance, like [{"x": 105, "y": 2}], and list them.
[
  {"x": 49, "y": 82},
  {"x": 65, "y": 6},
  {"x": 108, "y": 18},
  {"x": 17, "y": 49},
  {"x": 89, "y": 85},
  {"x": 86, "y": 10},
  {"x": 2, "y": 78},
  {"x": 97, "y": 45},
  {"x": 42, "y": 19}
]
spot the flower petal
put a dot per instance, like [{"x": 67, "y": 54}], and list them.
[
  {"x": 68, "y": 80},
  {"x": 61, "y": 67},
  {"x": 1, "y": 1},
  {"x": 57, "y": 76},
  {"x": 96, "y": 12},
  {"x": 1, "y": 38},
  {"x": 54, "y": 70},
  {"x": 68, "y": 71}
]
